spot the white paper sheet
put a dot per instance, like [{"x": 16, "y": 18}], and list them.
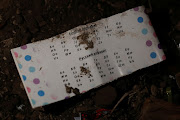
[{"x": 87, "y": 56}]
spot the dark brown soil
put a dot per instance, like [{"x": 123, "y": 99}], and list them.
[{"x": 24, "y": 22}]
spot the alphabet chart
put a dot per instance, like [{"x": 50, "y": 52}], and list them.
[{"x": 87, "y": 56}]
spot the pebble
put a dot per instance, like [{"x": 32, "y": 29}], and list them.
[
  {"x": 4, "y": 58},
  {"x": 14, "y": 22},
  {"x": 20, "y": 107},
  {"x": 21, "y": 86}
]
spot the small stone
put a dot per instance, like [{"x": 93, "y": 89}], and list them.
[
  {"x": 4, "y": 58},
  {"x": 14, "y": 32},
  {"x": 14, "y": 22},
  {"x": 52, "y": 20},
  {"x": 21, "y": 86},
  {"x": 20, "y": 107}
]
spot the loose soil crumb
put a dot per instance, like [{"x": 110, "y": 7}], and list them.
[
  {"x": 72, "y": 90},
  {"x": 85, "y": 71},
  {"x": 76, "y": 91},
  {"x": 83, "y": 39},
  {"x": 68, "y": 89}
]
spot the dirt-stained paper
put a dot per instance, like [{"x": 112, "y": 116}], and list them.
[{"x": 87, "y": 56}]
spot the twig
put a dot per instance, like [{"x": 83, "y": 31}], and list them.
[{"x": 120, "y": 100}]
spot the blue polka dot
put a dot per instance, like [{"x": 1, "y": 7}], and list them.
[
  {"x": 140, "y": 19},
  {"x": 32, "y": 69},
  {"x": 45, "y": 103},
  {"x": 41, "y": 93},
  {"x": 33, "y": 101},
  {"x": 153, "y": 55},
  {"x": 24, "y": 77},
  {"x": 144, "y": 31},
  {"x": 27, "y": 57},
  {"x": 20, "y": 66}
]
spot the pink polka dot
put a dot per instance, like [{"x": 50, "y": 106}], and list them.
[
  {"x": 24, "y": 47},
  {"x": 164, "y": 57},
  {"x": 136, "y": 9},
  {"x": 148, "y": 43},
  {"x": 28, "y": 89},
  {"x": 54, "y": 97},
  {"x": 154, "y": 34},
  {"x": 150, "y": 23},
  {"x": 83, "y": 91},
  {"x": 16, "y": 54}
]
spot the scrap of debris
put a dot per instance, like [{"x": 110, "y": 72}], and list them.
[
  {"x": 83, "y": 39},
  {"x": 85, "y": 71},
  {"x": 72, "y": 90},
  {"x": 68, "y": 89}
]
